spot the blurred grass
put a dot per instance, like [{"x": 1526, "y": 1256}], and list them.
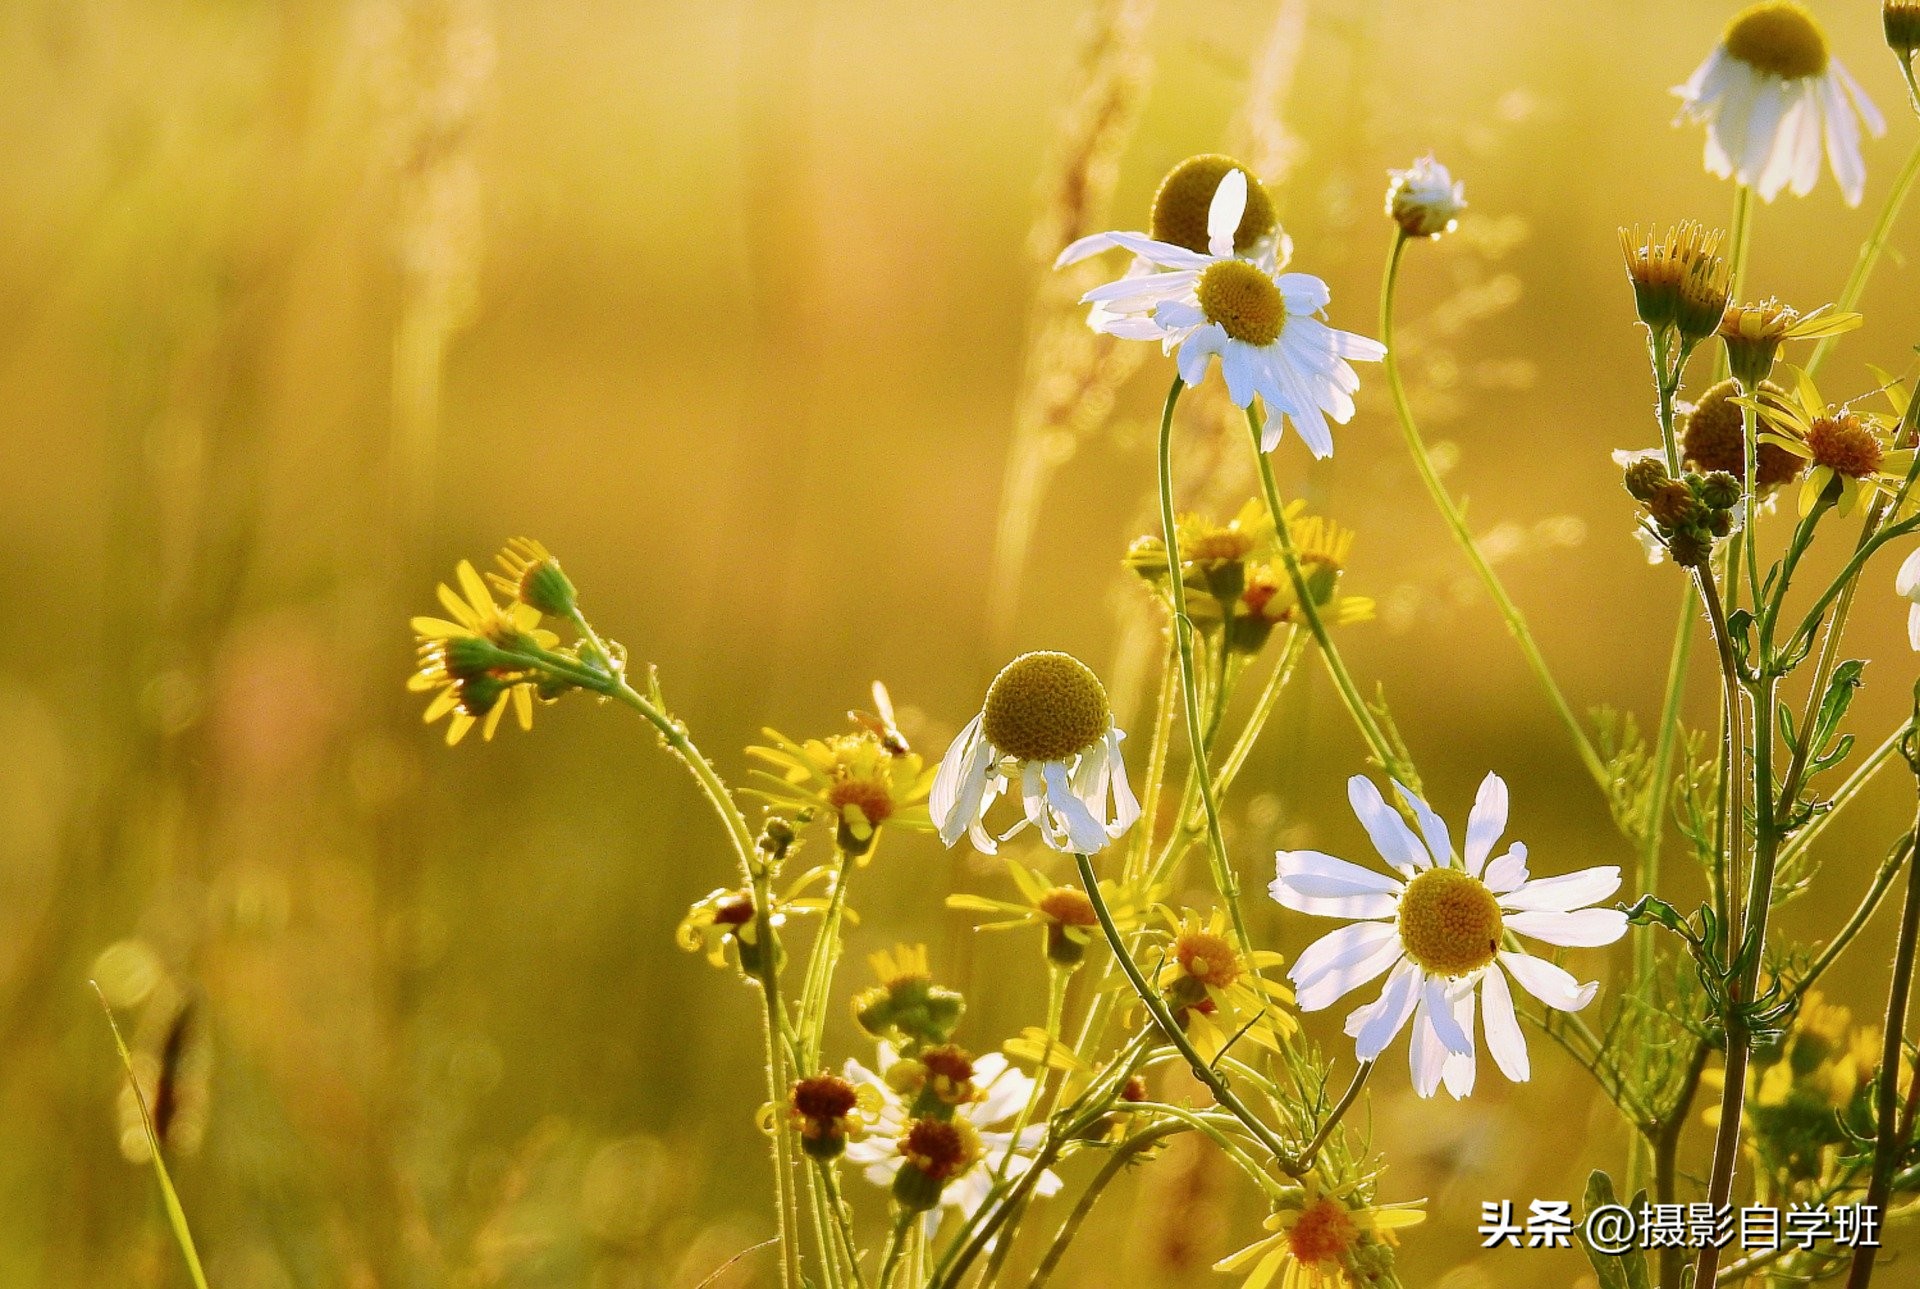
[{"x": 726, "y": 303}]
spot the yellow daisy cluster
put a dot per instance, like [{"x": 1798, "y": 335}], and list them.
[
  {"x": 860, "y": 780},
  {"x": 473, "y": 661}
]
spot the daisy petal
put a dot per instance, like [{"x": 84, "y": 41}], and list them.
[
  {"x": 1566, "y": 892},
  {"x": 1504, "y": 1039},
  {"x": 1585, "y": 928},
  {"x": 1552, "y": 985}
]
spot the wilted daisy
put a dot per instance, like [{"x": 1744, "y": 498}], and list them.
[
  {"x": 1424, "y": 199},
  {"x": 464, "y": 663},
  {"x": 1046, "y": 727},
  {"x": 1434, "y": 929},
  {"x": 1908, "y": 586},
  {"x": 1263, "y": 324},
  {"x": 935, "y": 1118},
  {"x": 1322, "y": 1238},
  {"x": 1769, "y": 94}
]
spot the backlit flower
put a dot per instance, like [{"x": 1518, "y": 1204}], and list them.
[
  {"x": 1064, "y": 913},
  {"x": 853, "y": 779},
  {"x": 1263, "y": 324},
  {"x": 1424, "y": 199},
  {"x": 1322, "y": 1239},
  {"x": 1435, "y": 928},
  {"x": 1849, "y": 453},
  {"x": 1770, "y": 94},
  {"x": 469, "y": 661},
  {"x": 1218, "y": 995},
  {"x": 1046, "y": 727}
]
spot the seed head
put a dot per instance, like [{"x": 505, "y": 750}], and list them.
[
  {"x": 1180, "y": 206},
  {"x": 1778, "y": 37},
  {"x": 1045, "y": 707},
  {"x": 1713, "y": 439},
  {"x": 1645, "y": 477}
]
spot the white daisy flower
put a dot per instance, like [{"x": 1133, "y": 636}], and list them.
[
  {"x": 1907, "y": 584},
  {"x": 1045, "y": 726},
  {"x": 1769, "y": 94},
  {"x": 1424, "y": 199},
  {"x": 1263, "y": 324},
  {"x": 1001, "y": 1091},
  {"x": 1434, "y": 931}
]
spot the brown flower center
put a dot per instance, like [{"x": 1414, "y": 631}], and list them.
[
  {"x": 1324, "y": 1232},
  {"x": 941, "y": 1148},
  {"x": 824, "y": 1097},
  {"x": 1713, "y": 439},
  {"x": 1068, "y": 906},
  {"x": 1180, "y": 206},
  {"x": 1780, "y": 38}
]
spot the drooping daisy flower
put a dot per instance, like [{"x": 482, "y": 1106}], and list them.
[
  {"x": 935, "y": 1120},
  {"x": 1434, "y": 928},
  {"x": 1769, "y": 94},
  {"x": 1424, "y": 199},
  {"x": 1182, "y": 207},
  {"x": 1322, "y": 1239},
  {"x": 1263, "y": 324},
  {"x": 1045, "y": 726},
  {"x": 1907, "y": 584}
]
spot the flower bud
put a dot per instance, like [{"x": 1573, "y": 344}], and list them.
[
  {"x": 1645, "y": 477},
  {"x": 1720, "y": 491}
]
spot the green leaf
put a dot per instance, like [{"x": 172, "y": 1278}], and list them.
[{"x": 1626, "y": 1270}]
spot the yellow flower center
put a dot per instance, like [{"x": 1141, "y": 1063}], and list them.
[
  {"x": 1186, "y": 194},
  {"x": 1221, "y": 545},
  {"x": 1207, "y": 958},
  {"x": 1243, "y": 300},
  {"x": 1845, "y": 446},
  {"x": 1449, "y": 922},
  {"x": 1778, "y": 37},
  {"x": 1324, "y": 1233},
  {"x": 1068, "y": 906},
  {"x": 1045, "y": 707}
]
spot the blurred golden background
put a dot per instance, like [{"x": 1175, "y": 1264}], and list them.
[{"x": 730, "y": 303}]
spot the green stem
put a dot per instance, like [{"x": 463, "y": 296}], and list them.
[
  {"x": 1334, "y": 1116},
  {"x": 1652, "y": 824},
  {"x": 1889, "y": 1141},
  {"x": 1863, "y": 264},
  {"x": 825, "y": 956},
  {"x": 1056, "y": 997},
  {"x": 169, "y": 1198},
  {"x": 842, "y": 1221},
  {"x": 896, "y": 1246},
  {"x": 1343, "y": 681},
  {"x": 1170, "y": 1026},
  {"x": 1862, "y": 775},
  {"x": 1463, "y": 536},
  {"x": 1224, "y": 877},
  {"x": 1869, "y": 905},
  {"x": 1117, "y": 1162}
]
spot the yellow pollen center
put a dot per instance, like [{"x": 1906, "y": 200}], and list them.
[
  {"x": 1180, "y": 206},
  {"x": 1243, "y": 300},
  {"x": 1449, "y": 922},
  {"x": 1323, "y": 1233},
  {"x": 1220, "y": 544},
  {"x": 1208, "y": 958},
  {"x": 1045, "y": 707},
  {"x": 1780, "y": 38}
]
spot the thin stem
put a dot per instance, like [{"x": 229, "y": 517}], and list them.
[
  {"x": 1056, "y": 997},
  {"x": 1334, "y": 1116},
  {"x": 1862, "y": 775},
  {"x": 1652, "y": 824},
  {"x": 1343, "y": 681},
  {"x": 1870, "y": 250},
  {"x": 1117, "y": 1162},
  {"x": 170, "y": 1199},
  {"x": 1869, "y": 905},
  {"x": 1463, "y": 536},
  {"x": 1224, "y": 877},
  {"x": 1733, "y": 807},
  {"x": 1890, "y": 1141},
  {"x": 825, "y": 955},
  {"x": 1665, "y": 1140},
  {"x": 1170, "y": 1026},
  {"x": 842, "y": 1221},
  {"x": 896, "y": 1246}
]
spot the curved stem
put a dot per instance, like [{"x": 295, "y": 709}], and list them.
[
  {"x": 825, "y": 955},
  {"x": 1653, "y": 822},
  {"x": 1122, "y": 1156},
  {"x": 1869, "y": 905},
  {"x": 1870, "y": 250},
  {"x": 1463, "y": 536},
  {"x": 1343, "y": 681},
  {"x": 1170, "y": 1026}
]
